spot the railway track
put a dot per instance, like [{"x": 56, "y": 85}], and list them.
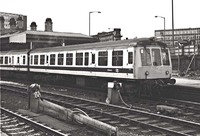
[
  {"x": 15, "y": 124},
  {"x": 145, "y": 123},
  {"x": 188, "y": 110}
]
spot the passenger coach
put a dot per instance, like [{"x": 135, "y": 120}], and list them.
[{"x": 134, "y": 61}]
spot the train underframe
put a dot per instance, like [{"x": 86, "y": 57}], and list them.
[{"x": 132, "y": 87}]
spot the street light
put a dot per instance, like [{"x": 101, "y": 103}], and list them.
[
  {"x": 89, "y": 18},
  {"x": 164, "y": 25}
]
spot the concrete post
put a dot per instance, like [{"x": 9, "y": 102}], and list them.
[
  {"x": 34, "y": 97},
  {"x": 113, "y": 95}
]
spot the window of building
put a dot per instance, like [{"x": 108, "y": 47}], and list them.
[
  {"x": 86, "y": 58},
  {"x": 156, "y": 57},
  {"x": 69, "y": 58},
  {"x": 24, "y": 59},
  {"x": 52, "y": 59},
  {"x": 1, "y": 60},
  {"x": 42, "y": 57},
  {"x": 35, "y": 59},
  {"x": 60, "y": 59},
  {"x": 145, "y": 57},
  {"x": 103, "y": 58},
  {"x": 117, "y": 58},
  {"x": 79, "y": 58},
  {"x": 130, "y": 57}
]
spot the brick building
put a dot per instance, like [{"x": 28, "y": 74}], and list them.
[{"x": 11, "y": 23}]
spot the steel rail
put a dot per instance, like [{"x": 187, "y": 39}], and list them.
[{"x": 33, "y": 123}]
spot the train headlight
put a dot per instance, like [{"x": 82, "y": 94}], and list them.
[
  {"x": 147, "y": 73},
  {"x": 167, "y": 72}
]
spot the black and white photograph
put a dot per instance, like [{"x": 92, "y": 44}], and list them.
[{"x": 100, "y": 68}]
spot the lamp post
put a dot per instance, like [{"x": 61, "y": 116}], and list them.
[
  {"x": 164, "y": 25},
  {"x": 89, "y": 18}
]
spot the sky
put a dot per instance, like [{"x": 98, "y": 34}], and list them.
[{"x": 136, "y": 18}]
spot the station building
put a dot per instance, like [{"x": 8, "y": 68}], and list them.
[
  {"x": 109, "y": 36},
  {"x": 16, "y": 38}
]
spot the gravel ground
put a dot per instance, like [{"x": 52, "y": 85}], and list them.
[
  {"x": 190, "y": 75},
  {"x": 15, "y": 102}
]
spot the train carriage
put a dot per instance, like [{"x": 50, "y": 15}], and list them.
[
  {"x": 16, "y": 60},
  {"x": 133, "y": 61}
]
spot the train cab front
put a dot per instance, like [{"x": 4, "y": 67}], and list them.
[{"x": 153, "y": 63}]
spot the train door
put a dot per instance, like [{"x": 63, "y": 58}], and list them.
[
  {"x": 92, "y": 59},
  {"x": 47, "y": 59},
  {"x": 130, "y": 60},
  {"x": 18, "y": 62}
]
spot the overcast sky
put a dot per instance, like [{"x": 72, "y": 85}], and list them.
[{"x": 134, "y": 17}]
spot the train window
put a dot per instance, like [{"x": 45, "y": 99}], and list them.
[
  {"x": 60, "y": 59},
  {"x": 93, "y": 58},
  {"x": 165, "y": 56},
  {"x": 69, "y": 58},
  {"x": 156, "y": 57},
  {"x": 6, "y": 60},
  {"x": 52, "y": 59},
  {"x": 86, "y": 58},
  {"x": 24, "y": 59},
  {"x": 17, "y": 60},
  {"x": 31, "y": 59},
  {"x": 103, "y": 58},
  {"x": 130, "y": 57},
  {"x": 1, "y": 60},
  {"x": 117, "y": 58},
  {"x": 35, "y": 59},
  {"x": 12, "y": 59},
  {"x": 79, "y": 58},
  {"x": 9, "y": 62},
  {"x": 145, "y": 57},
  {"x": 42, "y": 59}
]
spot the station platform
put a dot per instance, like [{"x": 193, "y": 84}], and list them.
[{"x": 187, "y": 82}]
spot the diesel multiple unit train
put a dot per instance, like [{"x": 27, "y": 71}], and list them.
[{"x": 135, "y": 62}]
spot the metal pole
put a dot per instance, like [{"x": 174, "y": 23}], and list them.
[
  {"x": 89, "y": 18},
  {"x": 164, "y": 29},
  {"x": 164, "y": 25},
  {"x": 89, "y": 23},
  {"x": 173, "y": 35}
]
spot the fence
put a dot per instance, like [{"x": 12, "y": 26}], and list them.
[{"x": 186, "y": 57}]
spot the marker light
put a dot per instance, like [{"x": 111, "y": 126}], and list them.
[
  {"x": 147, "y": 73},
  {"x": 167, "y": 72}
]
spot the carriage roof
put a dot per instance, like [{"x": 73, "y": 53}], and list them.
[
  {"x": 14, "y": 52},
  {"x": 102, "y": 45}
]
